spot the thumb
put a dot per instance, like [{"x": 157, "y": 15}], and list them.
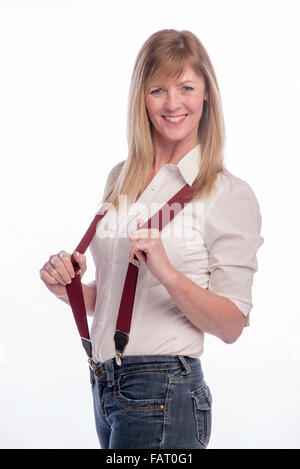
[{"x": 80, "y": 260}]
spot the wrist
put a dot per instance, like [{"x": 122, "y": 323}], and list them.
[
  {"x": 64, "y": 297},
  {"x": 170, "y": 277}
]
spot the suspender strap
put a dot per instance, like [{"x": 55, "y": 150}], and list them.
[
  {"x": 159, "y": 220},
  {"x": 74, "y": 289}
]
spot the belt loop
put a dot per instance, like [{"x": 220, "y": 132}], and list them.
[
  {"x": 109, "y": 368},
  {"x": 185, "y": 364}
]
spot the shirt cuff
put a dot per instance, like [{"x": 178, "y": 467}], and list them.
[{"x": 245, "y": 308}]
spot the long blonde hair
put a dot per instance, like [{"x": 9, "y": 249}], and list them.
[{"x": 166, "y": 54}]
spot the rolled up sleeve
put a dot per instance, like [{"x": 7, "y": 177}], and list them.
[{"x": 232, "y": 235}]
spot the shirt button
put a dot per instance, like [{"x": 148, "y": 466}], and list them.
[{"x": 153, "y": 188}]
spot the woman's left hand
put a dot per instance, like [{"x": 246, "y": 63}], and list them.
[{"x": 149, "y": 241}]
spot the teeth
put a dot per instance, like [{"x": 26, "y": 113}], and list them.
[{"x": 174, "y": 119}]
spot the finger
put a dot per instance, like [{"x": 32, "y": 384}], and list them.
[
  {"x": 66, "y": 259},
  {"x": 141, "y": 233},
  {"x": 140, "y": 222},
  {"x": 48, "y": 278},
  {"x": 138, "y": 229},
  {"x": 145, "y": 233},
  {"x": 154, "y": 233},
  {"x": 138, "y": 254},
  {"x": 133, "y": 252},
  {"x": 81, "y": 260},
  {"x": 141, "y": 256},
  {"x": 140, "y": 247},
  {"x": 53, "y": 273},
  {"x": 59, "y": 266}
]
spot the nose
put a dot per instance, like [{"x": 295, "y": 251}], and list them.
[{"x": 172, "y": 102}]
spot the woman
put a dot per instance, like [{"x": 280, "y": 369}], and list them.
[{"x": 195, "y": 275}]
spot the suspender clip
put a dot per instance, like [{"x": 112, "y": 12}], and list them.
[
  {"x": 119, "y": 358},
  {"x": 121, "y": 340},
  {"x": 136, "y": 262}
]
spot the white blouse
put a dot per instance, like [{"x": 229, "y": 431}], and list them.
[{"x": 213, "y": 241}]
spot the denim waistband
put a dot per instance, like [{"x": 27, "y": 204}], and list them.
[{"x": 110, "y": 370}]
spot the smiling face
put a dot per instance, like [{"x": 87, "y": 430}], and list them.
[{"x": 175, "y": 108}]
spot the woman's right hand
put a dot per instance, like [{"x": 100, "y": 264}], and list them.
[{"x": 58, "y": 271}]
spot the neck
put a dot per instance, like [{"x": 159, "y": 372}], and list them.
[{"x": 166, "y": 152}]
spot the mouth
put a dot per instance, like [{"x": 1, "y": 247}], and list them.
[{"x": 175, "y": 120}]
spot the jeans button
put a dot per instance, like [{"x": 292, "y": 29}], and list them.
[{"x": 98, "y": 372}]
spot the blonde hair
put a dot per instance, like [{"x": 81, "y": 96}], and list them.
[{"x": 166, "y": 54}]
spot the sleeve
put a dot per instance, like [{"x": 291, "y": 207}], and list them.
[
  {"x": 109, "y": 185},
  {"x": 112, "y": 179},
  {"x": 232, "y": 234}
]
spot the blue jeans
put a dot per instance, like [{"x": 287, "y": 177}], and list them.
[{"x": 151, "y": 401}]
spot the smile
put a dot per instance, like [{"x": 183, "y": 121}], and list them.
[{"x": 175, "y": 119}]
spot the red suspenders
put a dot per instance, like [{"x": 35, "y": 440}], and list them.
[{"x": 74, "y": 289}]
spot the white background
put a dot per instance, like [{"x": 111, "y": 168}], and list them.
[{"x": 65, "y": 69}]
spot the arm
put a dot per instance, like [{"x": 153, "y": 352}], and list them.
[
  {"x": 208, "y": 311},
  {"x": 232, "y": 235},
  {"x": 90, "y": 290}
]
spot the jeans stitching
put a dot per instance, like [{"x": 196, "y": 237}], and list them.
[
  {"x": 99, "y": 380},
  {"x": 137, "y": 408},
  {"x": 104, "y": 408},
  {"x": 150, "y": 369},
  {"x": 168, "y": 402},
  {"x": 163, "y": 416},
  {"x": 140, "y": 371},
  {"x": 96, "y": 395},
  {"x": 185, "y": 377},
  {"x": 204, "y": 439}
]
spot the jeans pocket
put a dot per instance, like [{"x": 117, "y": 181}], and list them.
[
  {"x": 142, "y": 390},
  {"x": 202, "y": 402}
]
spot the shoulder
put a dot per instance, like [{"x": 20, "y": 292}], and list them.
[
  {"x": 228, "y": 186},
  {"x": 112, "y": 179},
  {"x": 232, "y": 202},
  {"x": 116, "y": 170}
]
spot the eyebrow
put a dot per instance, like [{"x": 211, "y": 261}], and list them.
[{"x": 181, "y": 83}]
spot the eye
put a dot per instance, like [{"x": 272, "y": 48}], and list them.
[{"x": 157, "y": 91}]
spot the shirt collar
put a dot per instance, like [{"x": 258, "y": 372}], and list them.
[{"x": 189, "y": 164}]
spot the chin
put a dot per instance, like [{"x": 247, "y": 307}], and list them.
[{"x": 175, "y": 138}]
